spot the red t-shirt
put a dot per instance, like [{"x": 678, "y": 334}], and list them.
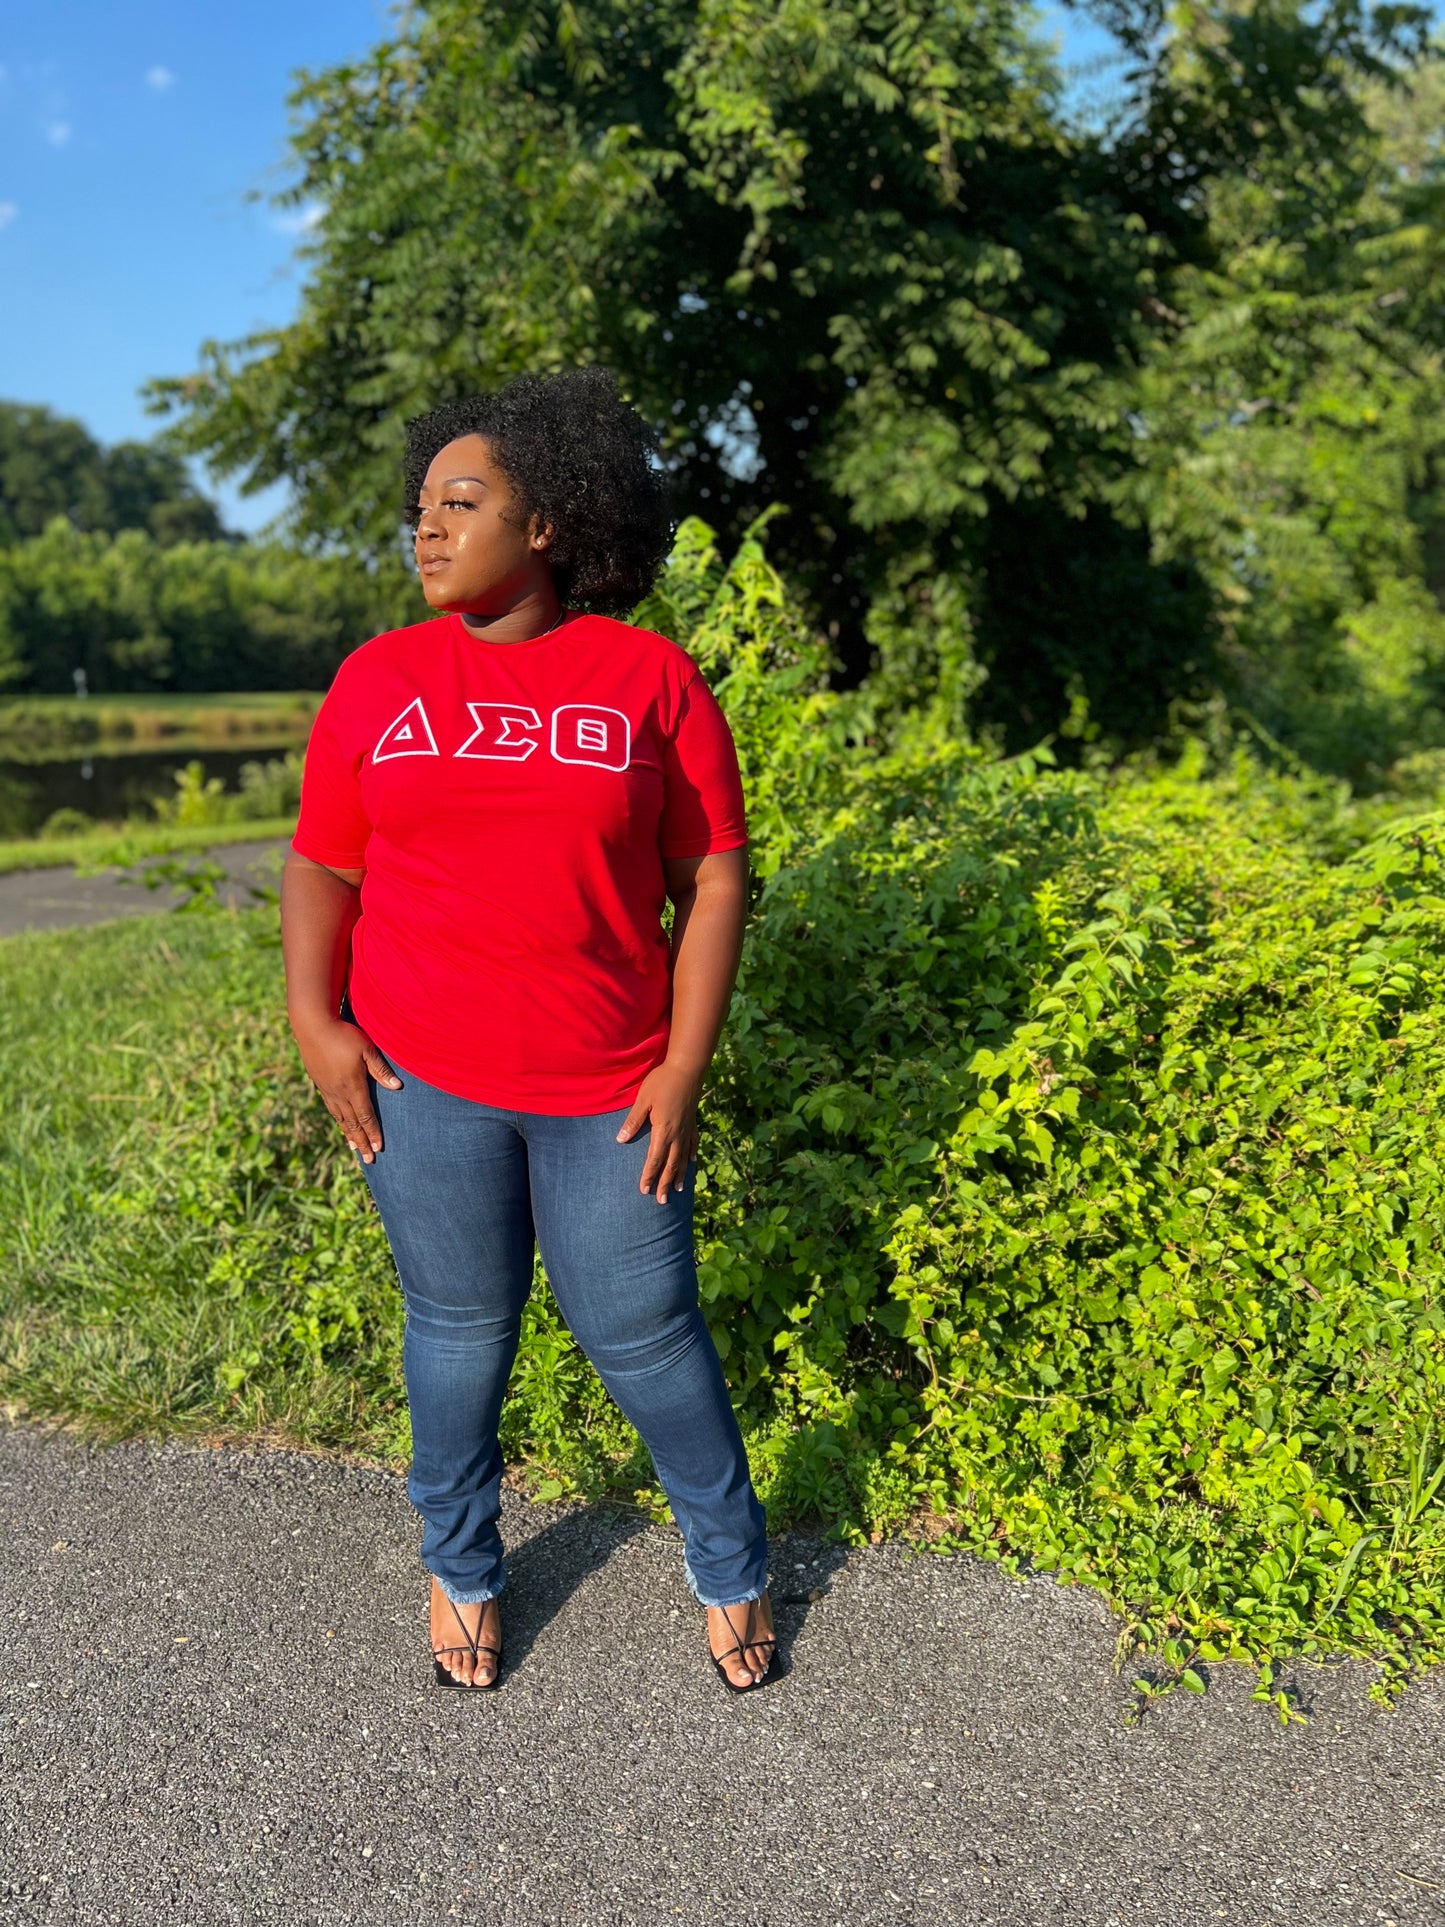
[{"x": 511, "y": 804}]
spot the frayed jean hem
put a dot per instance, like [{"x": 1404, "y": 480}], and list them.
[
  {"x": 734, "y": 1599},
  {"x": 475, "y": 1598}
]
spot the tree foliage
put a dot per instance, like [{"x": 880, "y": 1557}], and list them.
[
  {"x": 845, "y": 254},
  {"x": 1069, "y": 422},
  {"x": 1295, "y": 438},
  {"x": 50, "y": 466}
]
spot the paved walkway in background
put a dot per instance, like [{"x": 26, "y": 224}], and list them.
[
  {"x": 55, "y": 899},
  {"x": 215, "y": 1707}
]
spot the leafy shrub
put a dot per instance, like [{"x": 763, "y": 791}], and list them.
[
  {"x": 66, "y": 822},
  {"x": 266, "y": 790}
]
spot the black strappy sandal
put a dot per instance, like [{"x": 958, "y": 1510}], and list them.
[
  {"x": 444, "y": 1676},
  {"x": 742, "y": 1648}
]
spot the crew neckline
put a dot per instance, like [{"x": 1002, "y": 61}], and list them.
[{"x": 529, "y": 642}]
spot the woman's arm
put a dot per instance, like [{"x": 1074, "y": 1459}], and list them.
[
  {"x": 319, "y": 908},
  {"x": 710, "y": 906}
]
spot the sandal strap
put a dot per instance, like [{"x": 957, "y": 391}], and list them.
[
  {"x": 728, "y": 1652},
  {"x": 744, "y": 1645},
  {"x": 470, "y": 1637},
  {"x": 473, "y": 1643}
]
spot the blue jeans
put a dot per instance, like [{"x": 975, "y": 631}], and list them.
[{"x": 463, "y": 1190}]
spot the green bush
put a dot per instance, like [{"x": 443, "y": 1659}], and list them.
[
  {"x": 65, "y": 822},
  {"x": 1072, "y": 1187},
  {"x": 266, "y": 790}
]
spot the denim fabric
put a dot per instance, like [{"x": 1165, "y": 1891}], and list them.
[{"x": 463, "y": 1190}]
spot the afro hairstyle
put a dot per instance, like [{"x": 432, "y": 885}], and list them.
[{"x": 578, "y": 457}]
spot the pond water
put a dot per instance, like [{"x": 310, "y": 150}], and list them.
[{"x": 107, "y": 787}]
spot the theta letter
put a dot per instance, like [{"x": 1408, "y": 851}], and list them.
[{"x": 591, "y": 733}]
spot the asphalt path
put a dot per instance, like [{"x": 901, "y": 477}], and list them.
[
  {"x": 215, "y": 1706},
  {"x": 57, "y": 899}
]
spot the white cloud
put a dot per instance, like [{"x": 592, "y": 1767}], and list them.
[
  {"x": 159, "y": 78},
  {"x": 58, "y": 132},
  {"x": 298, "y": 220},
  {"x": 8, "y": 211}
]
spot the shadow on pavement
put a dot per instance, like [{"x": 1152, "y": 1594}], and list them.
[{"x": 545, "y": 1570}]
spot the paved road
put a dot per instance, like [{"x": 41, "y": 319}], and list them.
[
  {"x": 215, "y": 1707},
  {"x": 56, "y": 899}
]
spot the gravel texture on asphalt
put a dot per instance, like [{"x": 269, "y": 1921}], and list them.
[
  {"x": 215, "y": 1706},
  {"x": 59, "y": 899}
]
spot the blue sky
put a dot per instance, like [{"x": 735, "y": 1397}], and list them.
[{"x": 132, "y": 134}]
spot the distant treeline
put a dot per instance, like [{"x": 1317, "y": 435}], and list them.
[
  {"x": 112, "y": 562},
  {"x": 137, "y": 615}
]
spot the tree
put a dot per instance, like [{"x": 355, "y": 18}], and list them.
[
  {"x": 846, "y": 253},
  {"x": 1295, "y": 451},
  {"x": 51, "y": 466}
]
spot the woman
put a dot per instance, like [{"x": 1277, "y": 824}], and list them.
[{"x": 495, "y": 806}]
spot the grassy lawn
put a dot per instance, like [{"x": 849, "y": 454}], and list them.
[
  {"x": 159, "y": 1116},
  {"x": 134, "y": 842}
]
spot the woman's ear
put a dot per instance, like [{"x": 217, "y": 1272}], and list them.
[{"x": 543, "y": 536}]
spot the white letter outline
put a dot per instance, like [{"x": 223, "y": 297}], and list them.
[
  {"x": 507, "y": 748},
  {"x": 594, "y": 710},
  {"x": 429, "y": 748}
]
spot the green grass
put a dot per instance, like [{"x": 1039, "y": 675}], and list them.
[{"x": 134, "y": 841}]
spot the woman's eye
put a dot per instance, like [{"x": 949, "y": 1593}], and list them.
[{"x": 415, "y": 515}]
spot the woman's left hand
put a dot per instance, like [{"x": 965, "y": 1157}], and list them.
[{"x": 667, "y": 1099}]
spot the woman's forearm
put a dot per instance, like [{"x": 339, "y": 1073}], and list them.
[
  {"x": 707, "y": 942},
  {"x": 319, "y": 908}
]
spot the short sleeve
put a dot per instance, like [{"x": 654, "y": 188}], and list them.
[
  {"x": 332, "y": 828},
  {"x": 702, "y": 791}
]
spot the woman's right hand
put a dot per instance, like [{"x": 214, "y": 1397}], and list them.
[{"x": 337, "y": 1056}]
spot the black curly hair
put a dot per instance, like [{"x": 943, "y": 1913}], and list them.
[{"x": 577, "y": 456}]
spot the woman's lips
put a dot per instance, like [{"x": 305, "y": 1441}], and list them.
[{"x": 433, "y": 563}]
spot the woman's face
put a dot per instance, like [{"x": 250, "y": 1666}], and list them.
[{"x": 474, "y": 556}]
